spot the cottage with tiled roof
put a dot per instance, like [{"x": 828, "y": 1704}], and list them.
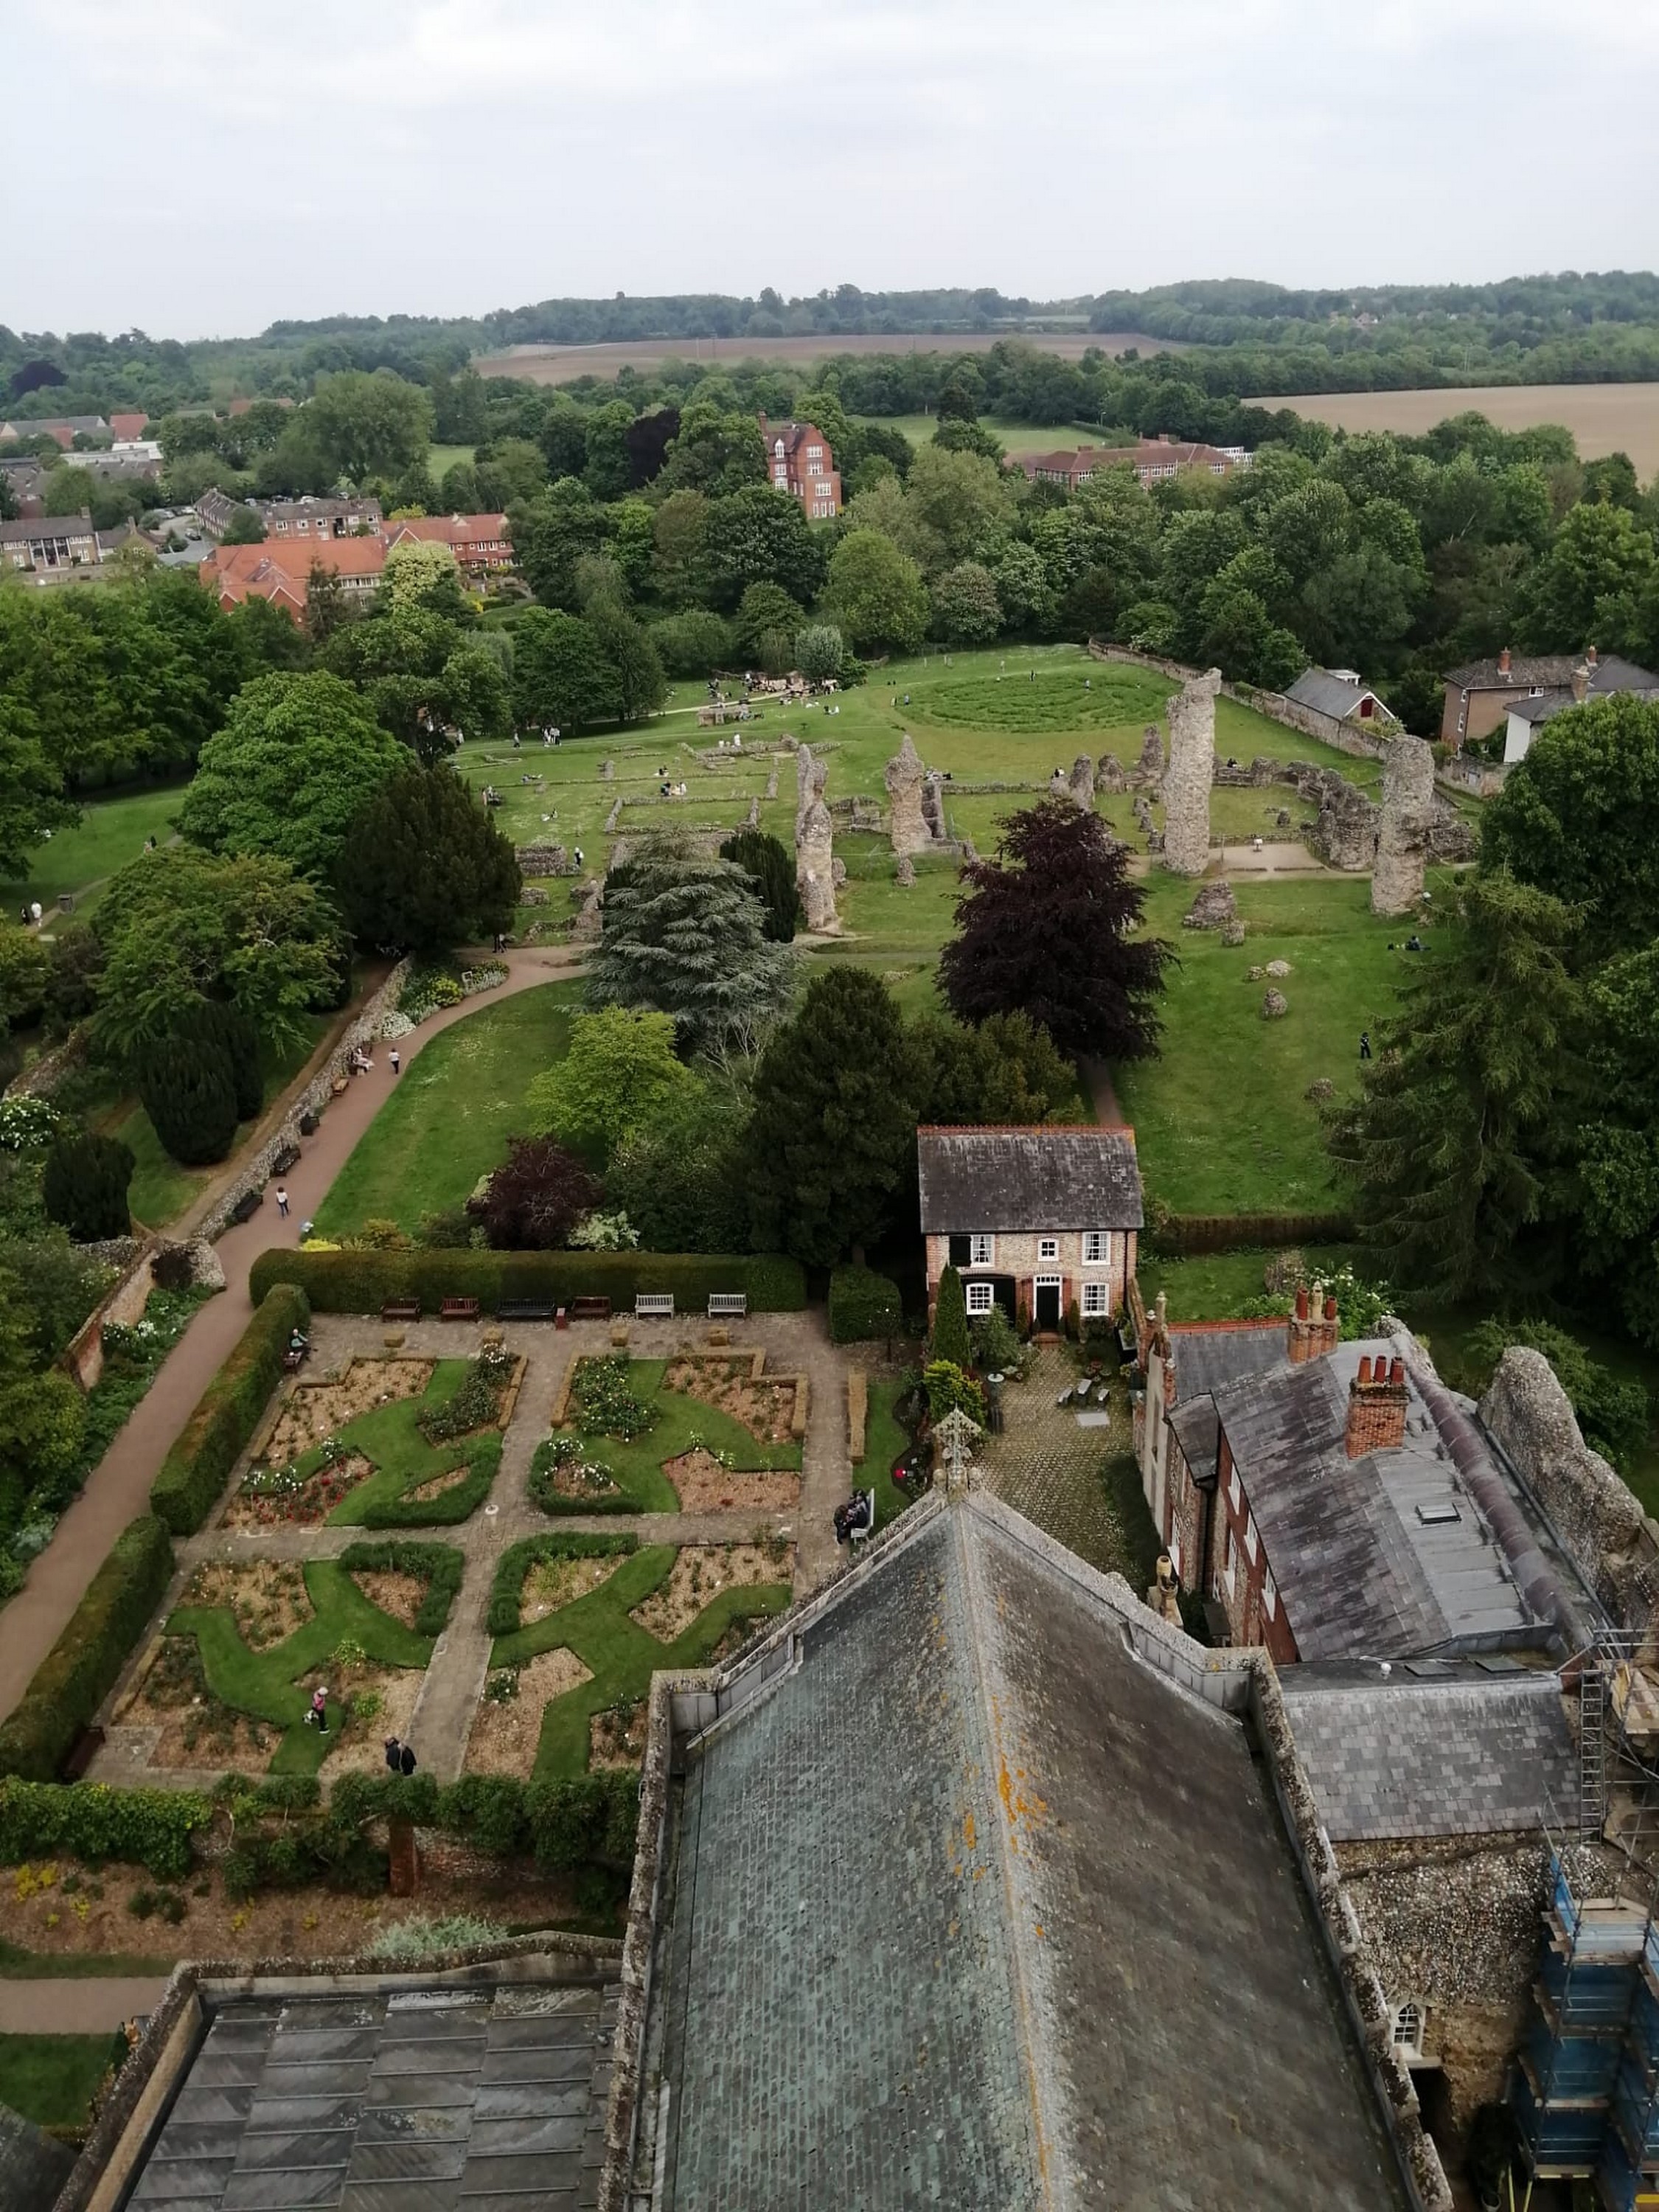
[
  {"x": 1480, "y": 695},
  {"x": 1035, "y": 1220}
]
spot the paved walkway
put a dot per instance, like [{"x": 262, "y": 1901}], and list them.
[
  {"x": 119, "y": 1487},
  {"x": 88, "y": 2005}
]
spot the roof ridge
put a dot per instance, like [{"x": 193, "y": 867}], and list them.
[{"x": 1025, "y": 1129}]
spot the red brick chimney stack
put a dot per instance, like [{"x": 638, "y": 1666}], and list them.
[
  {"x": 1377, "y": 1408},
  {"x": 1315, "y": 1329},
  {"x": 1581, "y": 677},
  {"x": 1503, "y": 662}
]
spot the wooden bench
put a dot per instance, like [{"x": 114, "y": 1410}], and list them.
[
  {"x": 526, "y": 1309},
  {"x": 590, "y": 1309},
  {"x": 728, "y": 1305},
  {"x": 654, "y": 1305},
  {"x": 247, "y": 1205},
  {"x": 286, "y": 1158},
  {"x": 459, "y": 1309},
  {"x": 401, "y": 1309}
]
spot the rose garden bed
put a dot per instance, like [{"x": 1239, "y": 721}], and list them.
[
  {"x": 626, "y": 1437},
  {"x": 763, "y": 1404}
]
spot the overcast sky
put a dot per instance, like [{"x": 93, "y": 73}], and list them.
[{"x": 200, "y": 168}]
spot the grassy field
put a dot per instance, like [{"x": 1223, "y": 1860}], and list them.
[
  {"x": 1604, "y": 418},
  {"x": 440, "y": 458},
  {"x": 110, "y": 833},
  {"x": 1016, "y": 437},
  {"x": 450, "y": 1114},
  {"x": 53, "y": 2079},
  {"x": 885, "y": 1439}
]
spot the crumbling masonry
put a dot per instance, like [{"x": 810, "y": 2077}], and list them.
[
  {"x": 1187, "y": 778},
  {"x": 815, "y": 856},
  {"x": 906, "y": 778},
  {"x": 1403, "y": 835}
]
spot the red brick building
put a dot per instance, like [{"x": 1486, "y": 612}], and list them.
[
  {"x": 279, "y": 569},
  {"x": 480, "y": 543},
  {"x": 801, "y": 460},
  {"x": 1153, "y": 460}
]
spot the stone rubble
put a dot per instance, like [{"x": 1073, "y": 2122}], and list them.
[{"x": 1213, "y": 907}]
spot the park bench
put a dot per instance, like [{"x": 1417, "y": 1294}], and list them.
[
  {"x": 286, "y": 1158},
  {"x": 858, "y": 1535},
  {"x": 459, "y": 1309},
  {"x": 401, "y": 1309},
  {"x": 654, "y": 1305},
  {"x": 526, "y": 1309},
  {"x": 590, "y": 1309},
  {"x": 247, "y": 1205},
  {"x": 727, "y": 1305}
]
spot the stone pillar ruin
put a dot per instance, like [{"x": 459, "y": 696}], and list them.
[
  {"x": 906, "y": 778},
  {"x": 1081, "y": 788},
  {"x": 811, "y": 778},
  {"x": 815, "y": 853},
  {"x": 1186, "y": 780},
  {"x": 1402, "y": 838}
]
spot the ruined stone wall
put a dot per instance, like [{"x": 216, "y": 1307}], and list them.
[
  {"x": 1402, "y": 840},
  {"x": 1186, "y": 780},
  {"x": 1595, "y": 1516},
  {"x": 906, "y": 778}
]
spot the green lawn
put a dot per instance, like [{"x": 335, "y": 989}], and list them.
[
  {"x": 1016, "y": 437},
  {"x": 53, "y": 2079},
  {"x": 622, "y": 1655},
  {"x": 267, "y": 1683},
  {"x": 448, "y": 1117},
  {"x": 110, "y": 832},
  {"x": 1215, "y": 1285},
  {"x": 440, "y": 458},
  {"x": 682, "y": 1423},
  {"x": 885, "y": 1438}
]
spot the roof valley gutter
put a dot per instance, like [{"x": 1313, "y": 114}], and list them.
[{"x": 1041, "y": 2066}]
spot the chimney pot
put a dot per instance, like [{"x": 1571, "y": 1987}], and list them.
[
  {"x": 1581, "y": 682},
  {"x": 1302, "y": 1303},
  {"x": 1503, "y": 662},
  {"x": 1365, "y": 1370},
  {"x": 1589, "y": 655},
  {"x": 1397, "y": 1372},
  {"x": 1330, "y": 1309}
]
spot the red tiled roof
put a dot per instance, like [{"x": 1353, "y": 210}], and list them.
[
  {"x": 128, "y": 426},
  {"x": 454, "y": 530}
]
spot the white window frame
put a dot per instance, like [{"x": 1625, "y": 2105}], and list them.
[
  {"x": 1097, "y": 1300},
  {"x": 981, "y": 1250},
  {"x": 1235, "y": 1490},
  {"x": 1406, "y": 2026},
  {"x": 1097, "y": 1248},
  {"x": 1269, "y": 1593},
  {"x": 1048, "y": 1251},
  {"x": 1174, "y": 1549},
  {"x": 981, "y": 1299},
  {"x": 1252, "y": 1542}
]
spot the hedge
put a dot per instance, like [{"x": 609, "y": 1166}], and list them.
[
  {"x": 196, "y": 1470},
  {"x": 440, "y": 1566},
  {"x": 449, "y": 1506},
  {"x": 1181, "y": 1235},
  {"x": 79, "y": 1670},
  {"x": 863, "y": 1304},
  {"x": 564, "y": 1825},
  {"x": 149, "y": 1828},
  {"x": 507, "y": 1589},
  {"x": 360, "y": 1282}
]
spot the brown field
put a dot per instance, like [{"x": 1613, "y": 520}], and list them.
[
  {"x": 1604, "y": 418},
  {"x": 559, "y": 364}
]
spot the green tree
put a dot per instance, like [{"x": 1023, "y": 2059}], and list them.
[
  {"x": 621, "y": 1073},
  {"x": 1021, "y": 585},
  {"x": 959, "y": 506},
  {"x": 949, "y": 1339},
  {"x": 637, "y": 685},
  {"x": 551, "y": 535},
  {"x": 1599, "y": 558},
  {"x": 685, "y": 934},
  {"x": 1579, "y": 818},
  {"x": 771, "y": 869},
  {"x": 1450, "y": 1145},
  {"x": 246, "y": 527},
  {"x": 1007, "y": 1069},
  {"x": 42, "y": 1415},
  {"x": 763, "y": 610},
  {"x": 24, "y": 975},
  {"x": 83, "y": 1184},
  {"x": 758, "y": 535},
  {"x": 819, "y": 652},
  {"x": 717, "y": 451},
  {"x": 536, "y": 1198},
  {"x": 368, "y": 424},
  {"x": 190, "y": 1095},
  {"x": 607, "y": 464},
  {"x": 561, "y": 676},
  {"x": 694, "y": 643},
  {"x": 876, "y": 594},
  {"x": 830, "y": 1150},
  {"x": 679, "y": 1178},
  {"x": 1616, "y": 1142},
  {"x": 966, "y": 609},
  {"x": 423, "y": 867},
  {"x": 296, "y": 759},
  {"x": 506, "y": 472}
]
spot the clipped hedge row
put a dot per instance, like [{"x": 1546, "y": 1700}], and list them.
[
  {"x": 506, "y": 1591},
  {"x": 149, "y": 1828},
  {"x": 449, "y": 1506},
  {"x": 564, "y": 1825},
  {"x": 440, "y": 1566},
  {"x": 79, "y": 1670},
  {"x": 362, "y": 1282},
  {"x": 196, "y": 1470},
  {"x": 862, "y": 1305},
  {"x": 1177, "y": 1236}
]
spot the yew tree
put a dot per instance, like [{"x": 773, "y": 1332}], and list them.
[{"x": 1046, "y": 927}]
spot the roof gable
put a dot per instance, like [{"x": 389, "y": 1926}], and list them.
[{"x": 1051, "y": 1177}]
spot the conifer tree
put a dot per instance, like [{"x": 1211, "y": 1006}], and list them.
[
  {"x": 772, "y": 870},
  {"x": 951, "y": 1322},
  {"x": 424, "y": 868}
]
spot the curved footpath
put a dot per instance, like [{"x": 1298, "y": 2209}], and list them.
[{"x": 117, "y": 1489}]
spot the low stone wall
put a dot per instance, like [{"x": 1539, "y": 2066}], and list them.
[
  {"x": 42, "y": 1077},
  {"x": 256, "y": 1172},
  {"x": 1274, "y": 705},
  {"x": 82, "y": 1355}
]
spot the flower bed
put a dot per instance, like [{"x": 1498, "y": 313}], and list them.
[
  {"x": 477, "y": 1402},
  {"x": 617, "y": 1736},
  {"x": 764, "y": 1405},
  {"x": 316, "y": 1410},
  {"x": 565, "y": 1478},
  {"x": 605, "y": 1402},
  {"x": 702, "y": 1572},
  {"x": 292, "y": 1497},
  {"x": 507, "y": 1729}
]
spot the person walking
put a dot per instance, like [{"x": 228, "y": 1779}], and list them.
[
  {"x": 282, "y": 1202},
  {"x": 318, "y": 1716},
  {"x": 396, "y": 1058},
  {"x": 1364, "y": 1044}
]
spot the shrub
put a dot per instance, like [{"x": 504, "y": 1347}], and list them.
[
  {"x": 450, "y": 1506},
  {"x": 83, "y": 1184},
  {"x": 1613, "y": 1414},
  {"x": 535, "y": 1198},
  {"x": 423, "y": 1938},
  {"x": 507, "y": 1589},
  {"x": 604, "y": 1493},
  {"x": 607, "y": 1405},
  {"x": 439, "y": 1565},
  {"x": 79, "y": 1671},
  {"x": 948, "y": 1387},
  {"x": 198, "y": 1465},
  {"x": 151, "y": 1828},
  {"x": 863, "y": 1304},
  {"x": 951, "y": 1322},
  {"x": 477, "y": 1403},
  {"x": 997, "y": 1349},
  {"x": 819, "y": 652},
  {"x": 361, "y": 1282},
  {"x": 694, "y": 643}
]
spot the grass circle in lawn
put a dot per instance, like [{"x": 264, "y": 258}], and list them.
[{"x": 1114, "y": 698}]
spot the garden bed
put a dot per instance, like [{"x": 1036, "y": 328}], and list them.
[
  {"x": 551, "y": 1584},
  {"x": 399, "y": 1596},
  {"x": 507, "y": 1731},
  {"x": 366, "y": 1705},
  {"x": 702, "y": 1572},
  {"x": 288, "y": 1497},
  {"x": 188, "y": 1726},
  {"x": 617, "y": 1736},
  {"x": 705, "y": 1485},
  {"x": 314, "y": 1411},
  {"x": 268, "y": 1597},
  {"x": 734, "y": 1383}
]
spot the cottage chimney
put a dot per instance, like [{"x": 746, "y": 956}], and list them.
[
  {"x": 1503, "y": 662},
  {"x": 1315, "y": 1329},
  {"x": 1581, "y": 677},
  {"x": 1377, "y": 1408},
  {"x": 1589, "y": 655}
]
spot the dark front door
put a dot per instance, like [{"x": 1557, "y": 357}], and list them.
[{"x": 1048, "y": 1303}]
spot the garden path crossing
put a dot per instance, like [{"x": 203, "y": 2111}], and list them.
[
  {"x": 89, "y": 2005},
  {"x": 117, "y": 1489}
]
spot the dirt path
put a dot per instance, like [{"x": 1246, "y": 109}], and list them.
[
  {"x": 1102, "y": 1094},
  {"x": 118, "y": 1486},
  {"x": 85, "y": 2005}
]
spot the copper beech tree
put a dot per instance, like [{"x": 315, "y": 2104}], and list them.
[{"x": 1045, "y": 927}]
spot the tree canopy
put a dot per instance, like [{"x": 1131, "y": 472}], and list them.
[
  {"x": 423, "y": 867},
  {"x": 620, "y": 1074}
]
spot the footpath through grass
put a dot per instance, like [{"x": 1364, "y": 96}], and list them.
[
  {"x": 110, "y": 833},
  {"x": 446, "y": 1119},
  {"x": 53, "y": 2079}
]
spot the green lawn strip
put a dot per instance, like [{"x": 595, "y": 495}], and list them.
[
  {"x": 448, "y": 1118},
  {"x": 391, "y": 1438},
  {"x": 53, "y": 2079},
  {"x": 440, "y": 1566},
  {"x": 622, "y": 1654},
  {"x": 885, "y": 1439},
  {"x": 1216, "y": 1285},
  {"x": 266, "y": 1684},
  {"x": 109, "y": 834},
  {"x": 17, "y": 1965}
]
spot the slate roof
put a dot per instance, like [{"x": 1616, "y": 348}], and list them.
[
  {"x": 1043, "y": 1178},
  {"x": 975, "y": 1908},
  {"x": 1359, "y": 1571},
  {"x": 1548, "y": 703},
  {"x": 1611, "y": 673},
  {"x": 1208, "y": 1356},
  {"x": 1327, "y": 694},
  {"x": 1432, "y": 1750},
  {"x": 46, "y": 526},
  {"x": 422, "y": 2097},
  {"x": 33, "y": 2166}
]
